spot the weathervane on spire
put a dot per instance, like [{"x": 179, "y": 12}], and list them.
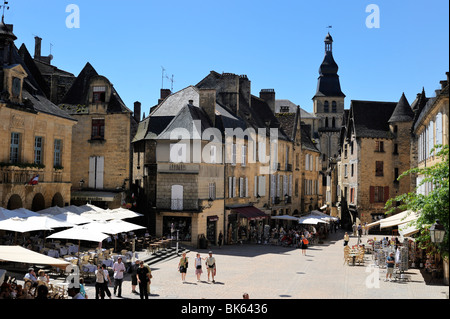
[{"x": 4, "y": 6}]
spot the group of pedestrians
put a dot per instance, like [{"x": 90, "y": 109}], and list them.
[
  {"x": 210, "y": 263},
  {"x": 102, "y": 279}
]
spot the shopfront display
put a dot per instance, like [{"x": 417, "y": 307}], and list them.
[{"x": 174, "y": 224}]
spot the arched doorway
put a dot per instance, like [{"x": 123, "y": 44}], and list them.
[
  {"x": 58, "y": 200},
  {"x": 14, "y": 202},
  {"x": 38, "y": 202}
]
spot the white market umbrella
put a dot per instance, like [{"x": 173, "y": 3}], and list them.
[
  {"x": 324, "y": 216},
  {"x": 72, "y": 218},
  {"x": 80, "y": 233},
  {"x": 113, "y": 227},
  {"x": 311, "y": 220},
  {"x": 21, "y": 225},
  {"x": 123, "y": 213},
  {"x": 55, "y": 210},
  {"x": 77, "y": 209},
  {"x": 49, "y": 222},
  {"x": 22, "y": 255},
  {"x": 19, "y": 212}
]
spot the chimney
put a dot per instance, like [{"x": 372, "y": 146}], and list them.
[
  {"x": 208, "y": 103},
  {"x": 268, "y": 95},
  {"x": 164, "y": 93},
  {"x": 37, "y": 47},
  {"x": 137, "y": 111}
]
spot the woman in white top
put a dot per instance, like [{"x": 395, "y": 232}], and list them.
[{"x": 198, "y": 266}]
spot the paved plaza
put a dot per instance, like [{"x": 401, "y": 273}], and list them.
[{"x": 275, "y": 272}]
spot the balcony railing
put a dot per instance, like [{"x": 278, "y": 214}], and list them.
[
  {"x": 17, "y": 175},
  {"x": 177, "y": 204}
]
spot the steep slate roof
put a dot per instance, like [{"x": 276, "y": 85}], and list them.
[
  {"x": 370, "y": 118},
  {"x": 402, "y": 112},
  {"x": 34, "y": 98},
  {"x": 307, "y": 143},
  {"x": 175, "y": 111},
  {"x": 78, "y": 93}
]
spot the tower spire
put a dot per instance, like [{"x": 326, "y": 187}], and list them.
[{"x": 4, "y": 6}]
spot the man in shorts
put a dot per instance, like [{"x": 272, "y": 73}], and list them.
[
  {"x": 211, "y": 266},
  {"x": 390, "y": 263}
]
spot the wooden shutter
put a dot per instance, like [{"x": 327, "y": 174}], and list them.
[
  {"x": 386, "y": 193},
  {"x": 372, "y": 194}
]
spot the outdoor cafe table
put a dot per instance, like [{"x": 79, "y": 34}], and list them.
[{"x": 353, "y": 253}]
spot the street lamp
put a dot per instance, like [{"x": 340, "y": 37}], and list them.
[{"x": 437, "y": 232}]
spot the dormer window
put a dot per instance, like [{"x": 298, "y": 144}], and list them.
[
  {"x": 99, "y": 94},
  {"x": 16, "y": 87}
]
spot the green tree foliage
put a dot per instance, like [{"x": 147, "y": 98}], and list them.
[{"x": 432, "y": 207}]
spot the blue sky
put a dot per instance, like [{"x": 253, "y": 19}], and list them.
[{"x": 277, "y": 44}]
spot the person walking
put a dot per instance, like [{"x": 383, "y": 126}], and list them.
[
  {"x": 107, "y": 281},
  {"x": 134, "y": 282},
  {"x": 346, "y": 239},
  {"x": 119, "y": 270},
  {"x": 304, "y": 245},
  {"x": 198, "y": 267},
  {"x": 220, "y": 239},
  {"x": 211, "y": 266},
  {"x": 99, "y": 283},
  {"x": 143, "y": 277},
  {"x": 183, "y": 266},
  {"x": 390, "y": 263}
]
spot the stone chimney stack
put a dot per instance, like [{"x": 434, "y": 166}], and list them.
[
  {"x": 37, "y": 47},
  {"x": 208, "y": 103},
  {"x": 137, "y": 111},
  {"x": 164, "y": 93},
  {"x": 268, "y": 95}
]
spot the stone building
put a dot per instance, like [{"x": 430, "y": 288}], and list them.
[
  {"x": 328, "y": 105},
  {"x": 54, "y": 81},
  {"x": 430, "y": 128},
  {"x": 246, "y": 183},
  {"x": 375, "y": 151},
  {"x": 101, "y": 147},
  {"x": 35, "y": 135}
]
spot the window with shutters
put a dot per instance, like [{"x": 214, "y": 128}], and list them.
[
  {"x": 98, "y": 94},
  {"x": 352, "y": 195},
  {"x": 14, "y": 149},
  {"x": 379, "y": 194},
  {"x": 262, "y": 186},
  {"x": 57, "y": 153},
  {"x": 38, "y": 149},
  {"x": 96, "y": 170},
  {"x": 98, "y": 129},
  {"x": 378, "y": 168},
  {"x": 244, "y": 155},
  {"x": 212, "y": 191},
  {"x": 379, "y": 146},
  {"x": 177, "y": 197}
]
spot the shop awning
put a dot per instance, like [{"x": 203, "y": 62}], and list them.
[
  {"x": 213, "y": 218},
  {"x": 96, "y": 196},
  {"x": 250, "y": 212}
]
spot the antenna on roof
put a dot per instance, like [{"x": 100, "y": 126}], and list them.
[
  {"x": 171, "y": 81},
  {"x": 162, "y": 77},
  {"x": 4, "y": 6}
]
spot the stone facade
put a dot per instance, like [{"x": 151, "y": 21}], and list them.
[{"x": 35, "y": 136}]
